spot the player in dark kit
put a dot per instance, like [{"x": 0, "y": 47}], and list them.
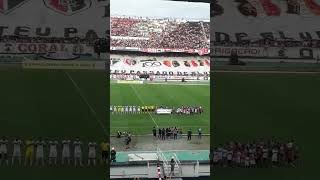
[
  {"x": 154, "y": 131},
  {"x": 189, "y": 134},
  {"x": 159, "y": 133}
]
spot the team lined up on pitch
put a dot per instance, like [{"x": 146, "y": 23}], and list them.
[
  {"x": 156, "y": 109},
  {"x": 41, "y": 152}
]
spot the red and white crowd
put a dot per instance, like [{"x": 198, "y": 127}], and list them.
[{"x": 140, "y": 32}]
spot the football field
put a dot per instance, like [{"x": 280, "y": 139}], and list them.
[
  {"x": 170, "y": 95},
  {"x": 53, "y": 104},
  {"x": 247, "y": 106}
]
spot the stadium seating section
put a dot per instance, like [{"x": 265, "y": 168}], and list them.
[{"x": 159, "y": 33}]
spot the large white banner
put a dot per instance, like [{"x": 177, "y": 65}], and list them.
[
  {"x": 160, "y": 65},
  {"x": 257, "y": 19},
  {"x": 54, "y": 18},
  {"x": 163, "y": 111}
]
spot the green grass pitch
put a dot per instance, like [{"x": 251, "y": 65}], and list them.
[
  {"x": 157, "y": 95},
  {"x": 50, "y": 104},
  {"x": 247, "y": 106}
]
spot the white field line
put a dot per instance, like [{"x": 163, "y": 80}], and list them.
[
  {"x": 168, "y": 84},
  {"x": 143, "y": 135},
  {"x": 86, "y": 101},
  {"x": 134, "y": 90},
  {"x": 137, "y": 127},
  {"x": 267, "y": 72},
  {"x": 177, "y": 150},
  {"x": 180, "y": 84}
]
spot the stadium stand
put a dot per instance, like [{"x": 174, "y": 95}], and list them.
[{"x": 159, "y": 33}]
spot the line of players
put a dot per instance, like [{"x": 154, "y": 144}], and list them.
[
  {"x": 261, "y": 154},
  {"x": 35, "y": 152},
  {"x": 189, "y": 110},
  {"x": 132, "y": 109},
  {"x": 148, "y": 109}
]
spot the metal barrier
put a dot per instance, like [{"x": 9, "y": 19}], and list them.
[{"x": 165, "y": 163}]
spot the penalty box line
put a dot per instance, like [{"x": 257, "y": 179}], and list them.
[
  {"x": 86, "y": 101},
  {"x": 140, "y": 99}
]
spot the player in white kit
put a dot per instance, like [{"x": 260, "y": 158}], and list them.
[
  {"x": 130, "y": 109},
  {"x": 92, "y": 153},
  {"x": 138, "y": 109},
  {"x": 246, "y": 161},
  {"x": 77, "y": 152},
  {"x": 238, "y": 158},
  {"x": 111, "y": 109},
  {"x": 265, "y": 154},
  {"x": 53, "y": 152},
  {"x": 66, "y": 151},
  {"x": 16, "y": 155},
  {"x": 274, "y": 157},
  {"x": 40, "y": 152},
  {"x": 126, "y": 109},
  {"x": 4, "y": 150},
  {"x": 252, "y": 160}
]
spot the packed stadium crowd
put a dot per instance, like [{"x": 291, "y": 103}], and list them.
[
  {"x": 42, "y": 152},
  {"x": 159, "y": 33},
  {"x": 272, "y": 153}
]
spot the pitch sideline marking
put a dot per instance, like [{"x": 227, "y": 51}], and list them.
[
  {"x": 169, "y": 84},
  {"x": 179, "y": 84},
  {"x": 143, "y": 104},
  {"x": 86, "y": 101},
  {"x": 123, "y": 127},
  {"x": 266, "y": 72}
]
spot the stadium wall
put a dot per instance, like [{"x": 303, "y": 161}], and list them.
[
  {"x": 298, "y": 53},
  {"x": 42, "y": 48}
]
